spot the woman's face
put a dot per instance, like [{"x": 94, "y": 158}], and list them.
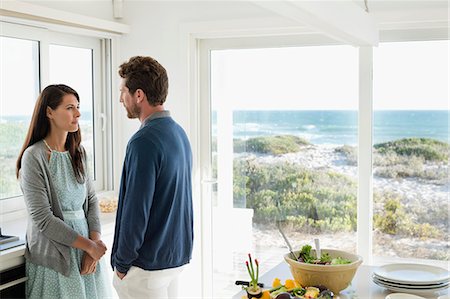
[{"x": 65, "y": 116}]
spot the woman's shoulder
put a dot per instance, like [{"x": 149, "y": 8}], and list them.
[{"x": 36, "y": 150}]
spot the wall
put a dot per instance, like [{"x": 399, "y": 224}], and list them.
[{"x": 156, "y": 27}]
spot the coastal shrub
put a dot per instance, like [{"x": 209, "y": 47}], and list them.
[
  {"x": 439, "y": 175},
  {"x": 424, "y": 230},
  {"x": 391, "y": 158},
  {"x": 393, "y": 219},
  {"x": 409, "y": 167},
  {"x": 274, "y": 145},
  {"x": 436, "y": 215},
  {"x": 427, "y": 148},
  {"x": 350, "y": 153},
  {"x": 317, "y": 200}
]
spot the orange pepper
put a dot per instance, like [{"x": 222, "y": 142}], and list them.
[
  {"x": 276, "y": 283},
  {"x": 290, "y": 284},
  {"x": 265, "y": 295}
]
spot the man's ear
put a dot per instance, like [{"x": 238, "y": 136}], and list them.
[{"x": 140, "y": 95}]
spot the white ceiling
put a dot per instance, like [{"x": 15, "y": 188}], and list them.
[{"x": 410, "y": 11}]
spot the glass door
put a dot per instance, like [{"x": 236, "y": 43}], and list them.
[{"x": 279, "y": 144}]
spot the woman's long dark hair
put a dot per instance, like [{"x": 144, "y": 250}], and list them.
[{"x": 39, "y": 128}]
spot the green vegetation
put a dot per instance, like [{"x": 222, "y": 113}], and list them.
[
  {"x": 12, "y": 136},
  {"x": 409, "y": 157},
  {"x": 394, "y": 219},
  {"x": 274, "y": 145},
  {"x": 349, "y": 152},
  {"x": 425, "y": 148},
  {"x": 421, "y": 158},
  {"x": 305, "y": 199},
  {"x": 320, "y": 200}
]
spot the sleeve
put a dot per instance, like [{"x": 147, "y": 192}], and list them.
[
  {"x": 35, "y": 193},
  {"x": 139, "y": 179},
  {"x": 93, "y": 210}
]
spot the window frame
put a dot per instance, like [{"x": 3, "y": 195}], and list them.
[
  {"x": 203, "y": 47},
  {"x": 13, "y": 207}
]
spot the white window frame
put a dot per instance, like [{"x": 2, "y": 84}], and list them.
[
  {"x": 102, "y": 45},
  {"x": 200, "y": 46}
]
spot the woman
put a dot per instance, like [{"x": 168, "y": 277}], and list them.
[{"x": 63, "y": 236}]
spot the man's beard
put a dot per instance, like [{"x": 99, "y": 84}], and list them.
[{"x": 133, "y": 111}]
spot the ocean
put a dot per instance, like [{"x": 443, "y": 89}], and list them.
[
  {"x": 325, "y": 126},
  {"x": 340, "y": 127}
]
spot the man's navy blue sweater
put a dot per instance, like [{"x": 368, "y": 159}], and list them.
[{"x": 154, "y": 222}]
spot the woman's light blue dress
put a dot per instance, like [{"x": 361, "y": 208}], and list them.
[{"x": 44, "y": 282}]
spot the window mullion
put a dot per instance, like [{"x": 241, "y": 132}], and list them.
[
  {"x": 44, "y": 62},
  {"x": 365, "y": 192}
]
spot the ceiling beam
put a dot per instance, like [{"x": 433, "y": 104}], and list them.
[
  {"x": 28, "y": 11},
  {"x": 344, "y": 21}
]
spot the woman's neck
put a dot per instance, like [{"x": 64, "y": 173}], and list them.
[{"x": 57, "y": 141}]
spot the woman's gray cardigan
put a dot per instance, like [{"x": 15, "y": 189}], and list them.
[{"x": 48, "y": 237}]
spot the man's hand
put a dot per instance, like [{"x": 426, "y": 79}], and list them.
[
  {"x": 88, "y": 265},
  {"x": 120, "y": 275}
]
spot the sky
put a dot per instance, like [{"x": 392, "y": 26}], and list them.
[
  {"x": 411, "y": 75},
  {"x": 19, "y": 72}
]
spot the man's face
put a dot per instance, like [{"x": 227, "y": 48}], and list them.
[{"x": 129, "y": 101}]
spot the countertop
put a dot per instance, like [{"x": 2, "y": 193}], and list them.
[
  {"x": 14, "y": 256},
  {"x": 362, "y": 286}
]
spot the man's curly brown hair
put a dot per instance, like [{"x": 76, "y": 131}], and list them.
[{"x": 143, "y": 72}]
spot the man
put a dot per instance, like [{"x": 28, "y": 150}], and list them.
[{"x": 154, "y": 223}]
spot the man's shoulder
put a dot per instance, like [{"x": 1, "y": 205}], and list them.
[{"x": 142, "y": 140}]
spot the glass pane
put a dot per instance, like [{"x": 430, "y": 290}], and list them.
[
  {"x": 19, "y": 79},
  {"x": 411, "y": 150},
  {"x": 73, "y": 67},
  {"x": 287, "y": 118}
]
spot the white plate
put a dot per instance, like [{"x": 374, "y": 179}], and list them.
[
  {"x": 410, "y": 291},
  {"x": 413, "y": 274},
  {"x": 410, "y": 286},
  {"x": 403, "y": 296}
]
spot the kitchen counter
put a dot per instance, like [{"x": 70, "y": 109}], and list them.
[
  {"x": 14, "y": 256},
  {"x": 361, "y": 287}
]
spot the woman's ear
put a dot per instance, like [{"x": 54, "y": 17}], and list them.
[{"x": 49, "y": 112}]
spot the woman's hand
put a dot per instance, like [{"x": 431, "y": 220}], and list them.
[
  {"x": 97, "y": 249},
  {"x": 88, "y": 264}
]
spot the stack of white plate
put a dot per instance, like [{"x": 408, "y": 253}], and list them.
[{"x": 412, "y": 278}]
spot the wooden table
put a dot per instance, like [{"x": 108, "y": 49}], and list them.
[{"x": 362, "y": 286}]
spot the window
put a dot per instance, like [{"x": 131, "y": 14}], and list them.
[
  {"x": 32, "y": 58},
  {"x": 411, "y": 150},
  {"x": 264, "y": 112},
  {"x": 20, "y": 85},
  {"x": 284, "y": 143},
  {"x": 80, "y": 77}
]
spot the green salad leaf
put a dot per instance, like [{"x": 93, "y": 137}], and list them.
[{"x": 306, "y": 257}]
